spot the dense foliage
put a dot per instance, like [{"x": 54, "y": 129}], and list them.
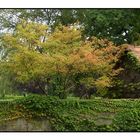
[
  {"x": 117, "y": 25},
  {"x": 75, "y": 115},
  {"x": 127, "y": 121},
  {"x": 127, "y": 83},
  {"x": 56, "y": 62}
]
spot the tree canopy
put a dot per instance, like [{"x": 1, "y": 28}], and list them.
[
  {"x": 60, "y": 59},
  {"x": 117, "y": 25}
]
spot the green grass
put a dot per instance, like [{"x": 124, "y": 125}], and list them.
[{"x": 10, "y": 97}]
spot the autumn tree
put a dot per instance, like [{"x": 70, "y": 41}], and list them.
[
  {"x": 24, "y": 58},
  {"x": 57, "y": 61}
]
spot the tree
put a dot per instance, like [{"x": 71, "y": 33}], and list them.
[
  {"x": 11, "y": 17},
  {"x": 57, "y": 61},
  {"x": 118, "y": 25},
  {"x": 25, "y": 56}
]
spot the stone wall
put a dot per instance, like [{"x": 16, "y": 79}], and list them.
[{"x": 22, "y": 124}]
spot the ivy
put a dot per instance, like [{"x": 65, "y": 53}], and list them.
[
  {"x": 127, "y": 121},
  {"x": 132, "y": 62},
  {"x": 74, "y": 114}
]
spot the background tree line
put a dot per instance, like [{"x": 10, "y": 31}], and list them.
[{"x": 117, "y": 25}]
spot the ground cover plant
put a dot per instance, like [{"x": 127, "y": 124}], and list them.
[{"x": 73, "y": 114}]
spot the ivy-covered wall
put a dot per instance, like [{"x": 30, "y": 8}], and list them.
[
  {"x": 33, "y": 112},
  {"x": 127, "y": 84}
]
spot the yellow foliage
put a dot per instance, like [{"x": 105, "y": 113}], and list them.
[{"x": 64, "y": 53}]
